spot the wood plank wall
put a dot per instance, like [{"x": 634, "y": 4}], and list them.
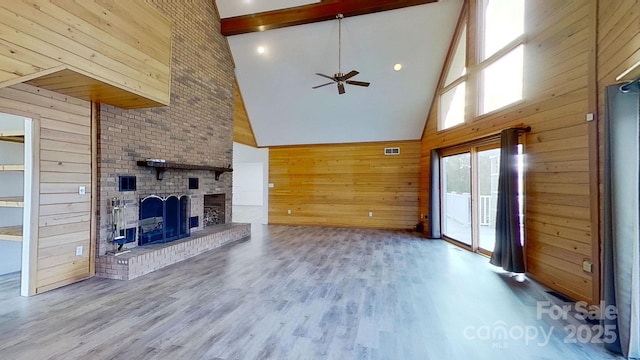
[
  {"x": 242, "y": 130},
  {"x": 618, "y": 47},
  {"x": 65, "y": 164},
  {"x": 618, "y": 40},
  {"x": 123, "y": 44},
  {"x": 338, "y": 185},
  {"x": 558, "y": 203}
]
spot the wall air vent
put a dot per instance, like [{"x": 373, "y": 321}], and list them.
[
  {"x": 392, "y": 151},
  {"x": 126, "y": 183}
]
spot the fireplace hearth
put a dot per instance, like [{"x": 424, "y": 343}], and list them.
[{"x": 214, "y": 209}]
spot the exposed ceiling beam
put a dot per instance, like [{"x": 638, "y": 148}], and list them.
[{"x": 306, "y": 14}]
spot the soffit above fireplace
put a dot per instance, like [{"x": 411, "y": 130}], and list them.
[
  {"x": 73, "y": 82},
  {"x": 113, "y": 52}
]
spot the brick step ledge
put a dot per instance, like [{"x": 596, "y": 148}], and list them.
[{"x": 145, "y": 259}]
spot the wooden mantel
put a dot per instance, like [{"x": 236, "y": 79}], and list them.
[{"x": 162, "y": 166}]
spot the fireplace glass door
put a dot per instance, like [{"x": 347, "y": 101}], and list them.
[{"x": 163, "y": 219}]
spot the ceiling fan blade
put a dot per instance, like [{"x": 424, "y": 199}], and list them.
[
  {"x": 326, "y": 76},
  {"x": 359, "y": 83},
  {"x": 341, "y": 88},
  {"x": 349, "y": 75},
  {"x": 319, "y": 86}
]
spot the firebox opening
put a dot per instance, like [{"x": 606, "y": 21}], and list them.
[{"x": 214, "y": 209}]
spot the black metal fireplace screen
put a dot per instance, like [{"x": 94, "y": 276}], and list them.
[{"x": 163, "y": 219}]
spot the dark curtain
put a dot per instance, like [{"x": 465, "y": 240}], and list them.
[
  {"x": 621, "y": 216},
  {"x": 508, "y": 248}
]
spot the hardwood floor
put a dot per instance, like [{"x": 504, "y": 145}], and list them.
[{"x": 294, "y": 293}]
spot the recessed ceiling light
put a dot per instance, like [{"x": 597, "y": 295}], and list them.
[
  {"x": 261, "y": 50},
  {"x": 397, "y": 67}
]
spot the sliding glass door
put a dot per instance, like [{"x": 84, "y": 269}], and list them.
[
  {"x": 456, "y": 197},
  {"x": 469, "y": 194},
  {"x": 488, "y": 171}
]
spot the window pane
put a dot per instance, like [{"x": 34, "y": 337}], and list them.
[
  {"x": 452, "y": 107},
  {"x": 458, "y": 67},
  {"x": 503, "y": 22},
  {"x": 456, "y": 191},
  {"x": 488, "y": 173},
  {"x": 502, "y": 81}
]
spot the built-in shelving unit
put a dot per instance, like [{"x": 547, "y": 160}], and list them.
[
  {"x": 162, "y": 166},
  {"x": 11, "y": 233}
]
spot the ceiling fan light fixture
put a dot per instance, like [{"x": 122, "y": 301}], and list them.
[{"x": 340, "y": 78}]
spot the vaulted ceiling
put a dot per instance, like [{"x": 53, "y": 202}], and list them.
[{"x": 277, "y": 84}]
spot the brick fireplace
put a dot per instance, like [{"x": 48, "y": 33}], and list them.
[{"x": 196, "y": 129}]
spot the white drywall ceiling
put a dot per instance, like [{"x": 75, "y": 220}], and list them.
[{"x": 276, "y": 85}]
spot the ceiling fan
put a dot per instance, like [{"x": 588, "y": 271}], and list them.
[{"x": 339, "y": 77}]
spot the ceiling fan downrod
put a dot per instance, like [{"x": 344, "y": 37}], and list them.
[
  {"x": 339, "y": 17},
  {"x": 339, "y": 78}
]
